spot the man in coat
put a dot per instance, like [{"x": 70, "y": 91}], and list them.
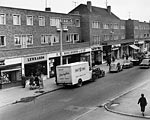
[{"x": 143, "y": 103}]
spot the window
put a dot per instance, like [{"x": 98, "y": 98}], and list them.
[
  {"x": 96, "y": 24},
  {"x": 2, "y": 41},
  {"x": 16, "y": 20},
  {"x": 55, "y": 22},
  {"x": 17, "y": 39},
  {"x": 106, "y": 37},
  {"x": 77, "y": 23},
  {"x": 2, "y": 19},
  {"x": 29, "y": 20},
  {"x": 96, "y": 39},
  {"x": 72, "y": 37},
  {"x": 45, "y": 39},
  {"x": 105, "y": 26},
  {"x": 49, "y": 39},
  {"x": 41, "y": 21},
  {"x": 29, "y": 39}
]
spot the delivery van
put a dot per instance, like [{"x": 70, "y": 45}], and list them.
[{"x": 73, "y": 73}]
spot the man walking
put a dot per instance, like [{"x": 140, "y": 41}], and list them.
[{"x": 143, "y": 103}]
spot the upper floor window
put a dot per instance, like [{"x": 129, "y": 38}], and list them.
[
  {"x": 16, "y": 20},
  {"x": 122, "y": 27},
  {"x": 95, "y": 24},
  {"x": 55, "y": 22},
  {"x": 2, "y": 41},
  {"x": 96, "y": 39},
  {"x": 17, "y": 39},
  {"x": 49, "y": 39},
  {"x": 2, "y": 19},
  {"x": 29, "y": 39},
  {"x": 30, "y": 20},
  {"x": 72, "y": 37},
  {"x": 41, "y": 21},
  {"x": 77, "y": 23},
  {"x": 106, "y": 26}
]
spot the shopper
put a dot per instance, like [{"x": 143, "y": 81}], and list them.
[
  {"x": 32, "y": 85},
  {"x": 23, "y": 80},
  {"x": 143, "y": 102}
]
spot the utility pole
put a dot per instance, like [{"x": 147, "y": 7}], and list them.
[
  {"x": 106, "y": 3},
  {"x": 75, "y": 3}
]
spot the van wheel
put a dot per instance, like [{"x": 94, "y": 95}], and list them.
[{"x": 79, "y": 83}]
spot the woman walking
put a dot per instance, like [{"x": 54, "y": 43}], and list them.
[{"x": 143, "y": 102}]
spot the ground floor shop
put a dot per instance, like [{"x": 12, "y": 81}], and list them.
[{"x": 10, "y": 73}]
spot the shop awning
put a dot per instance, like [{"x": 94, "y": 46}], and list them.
[{"x": 134, "y": 47}]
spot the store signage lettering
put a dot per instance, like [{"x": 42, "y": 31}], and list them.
[
  {"x": 36, "y": 58},
  {"x": 74, "y": 52}
]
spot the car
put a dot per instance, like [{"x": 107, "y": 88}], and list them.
[
  {"x": 116, "y": 67},
  {"x": 97, "y": 73},
  {"x": 145, "y": 63},
  {"x": 127, "y": 64}
]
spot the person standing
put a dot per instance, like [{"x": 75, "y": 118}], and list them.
[
  {"x": 31, "y": 81},
  {"x": 23, "y": 78},
  {"x": 143, "y": 102}
]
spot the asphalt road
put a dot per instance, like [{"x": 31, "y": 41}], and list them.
[{"x": 69, "y": 103}]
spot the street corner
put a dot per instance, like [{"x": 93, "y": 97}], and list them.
[{"x": 127, "y": 105}]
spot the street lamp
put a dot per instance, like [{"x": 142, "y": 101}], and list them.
[{"x": 61, "y": 29}]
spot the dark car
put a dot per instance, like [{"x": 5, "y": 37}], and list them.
[
  {"x": 127, "y": 64},
  {"x": 145, "y": 63},
  {"x": 97, "y": 73}
]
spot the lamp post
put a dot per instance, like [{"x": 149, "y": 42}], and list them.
[
  {"x": 61, "y": 48},
  {"x": 61, "y": 29}
]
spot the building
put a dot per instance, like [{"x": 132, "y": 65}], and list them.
[
  {"x": 103, "y": 29},
  {"x": 30, "y": 43}
]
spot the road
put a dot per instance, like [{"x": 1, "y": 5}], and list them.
[{"x": 69, "y": 103}]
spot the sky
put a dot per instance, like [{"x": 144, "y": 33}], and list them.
[{"x": 124, "y": 9}]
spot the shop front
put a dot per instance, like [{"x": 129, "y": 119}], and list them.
[
  {"x": 106, "y": 52},
  {"x": 10, "y": 73},
  {"x": 97, "y": 55},
  {"x": 35, "y": 65},
  {"x": 116, "y": 51},
  {"x": 69, "y": 56}
]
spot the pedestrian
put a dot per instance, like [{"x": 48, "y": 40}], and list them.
[
  {"x": 37, "y": 81},
  {"x": 41, "y": 78},
  {"x": 113, "y": 58},
  {"x": 31, "y": 82},
  {"x": 127, "y": 56},
  {"x": 143, "y": 102},
  {"x": 23, "y": 81}
]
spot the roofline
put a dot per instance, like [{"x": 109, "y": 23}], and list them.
[{"x": 37, "y": 10}]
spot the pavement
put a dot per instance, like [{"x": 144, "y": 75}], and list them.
[
  {"x": 13, "y": 95},
  {"x": 125, "y": 104}
]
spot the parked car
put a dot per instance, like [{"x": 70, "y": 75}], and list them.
[
  {"x": 127, "y": 64},
  {"x": 116, "y": 67},
  {"x": 97, "y": 73},
  {"x": 145, "y": 63}
]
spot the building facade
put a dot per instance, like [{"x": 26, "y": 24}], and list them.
[{"x": 30, "y": 43}]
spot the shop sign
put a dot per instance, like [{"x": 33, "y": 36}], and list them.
[
  {"x": 76, "y": 51},
  {"x": 12, "y": 61},
  {"x": 35, "y": 58},
  {"x": 2, "y": 62}
]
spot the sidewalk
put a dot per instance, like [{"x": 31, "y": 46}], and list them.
[
  {"x": 15, "y": 94},
  {"x": 127, "y": 103}
]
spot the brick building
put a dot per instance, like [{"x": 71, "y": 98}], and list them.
[
  {"x": 30, "y": 42},
  {"x": 103, "y": 29}
]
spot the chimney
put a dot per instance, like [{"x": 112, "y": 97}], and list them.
[
  {"x": 48, "y": 9},
  {"x": 89, "y": 6},
  {"x": 109, "y": 9}
]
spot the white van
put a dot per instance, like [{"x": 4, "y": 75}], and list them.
[{"x": 73, "y": 73}]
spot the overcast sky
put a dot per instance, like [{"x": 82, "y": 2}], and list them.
[{"x": 135, "y": 9}]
